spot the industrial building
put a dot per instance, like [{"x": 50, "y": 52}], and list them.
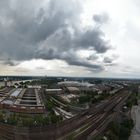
[
  {"x": 23, "y": 100},
  {"x": 54, "y": 91}
]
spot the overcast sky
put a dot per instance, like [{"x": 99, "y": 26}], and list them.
[{"x": 98, "y": 38}]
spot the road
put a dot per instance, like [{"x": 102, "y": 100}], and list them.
[{"x": 135, "y": 114}]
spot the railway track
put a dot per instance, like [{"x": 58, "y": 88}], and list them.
[
  {"x": 84, "y": 128},
  {"x": 96, "y": 122},
  {"x": 98, "y": 128}
]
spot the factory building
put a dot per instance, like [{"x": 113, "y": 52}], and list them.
[{"x": 21, "y": 100}]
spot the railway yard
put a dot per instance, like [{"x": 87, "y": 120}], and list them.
[
  {"x": 93, "y": 124},
  {"x": 56, "y": 119}
]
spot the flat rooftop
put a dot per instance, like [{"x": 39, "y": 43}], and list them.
[{"x": 28, "y": 99}]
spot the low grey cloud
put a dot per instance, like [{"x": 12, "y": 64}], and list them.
[
  {"x": 9, "y": 62},
  {"x": 93, "y": 57},
  {"x": 108, "y": 60},
  {"x": 101, "y": 18},
  {"x": 49, "y": 32},
  {"x": 71, "y": 58},
  {"x": 93, "y": 39}
]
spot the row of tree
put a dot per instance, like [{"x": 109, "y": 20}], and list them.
[{"x": 37, "y": 120}]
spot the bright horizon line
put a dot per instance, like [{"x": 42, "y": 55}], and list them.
[{"x": 129, "y": 78}]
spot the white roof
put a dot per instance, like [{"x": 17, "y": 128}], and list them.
[{"x": 53, "y": 89}]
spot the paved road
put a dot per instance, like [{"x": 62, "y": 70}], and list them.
[{"x": 135, "y": 113}]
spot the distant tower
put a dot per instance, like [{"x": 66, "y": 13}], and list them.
[
  {"x": 5, "y": 82},
  {"x": 139, "y": 89}
]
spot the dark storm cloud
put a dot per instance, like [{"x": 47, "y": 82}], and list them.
[
  {"x": 71, "y": 58},
  {"x": 51, "y": 31},
  {"x": 92, "y": 67},
  {"x": 63, "y": 45},
  {"x": 21, "y": 31},
  {"x": 93, "y": 39}
]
